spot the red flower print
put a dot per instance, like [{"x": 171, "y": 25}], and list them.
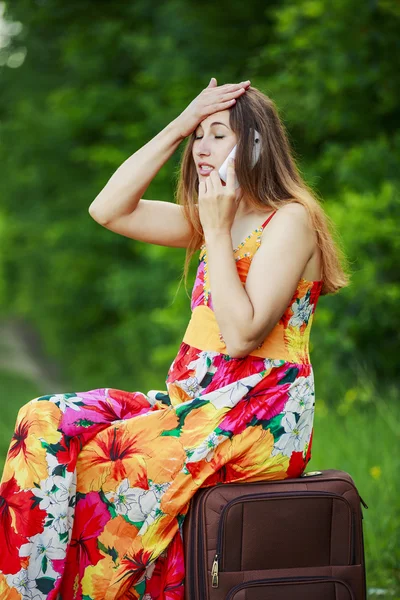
[
  {"x": 129, "y": 573},
  {"x": 179, "y": 370},
  {"x": 228, "y": 371},
  {"x": 67, "y": 451},
  {"x": 91, "y": 516},
  {"x": 296, "y": 465},
  {"x": 262, "y": 403},
  {"x": 18, "y": 521},
  {"x": 101, "y": 407},
  {"x": 166, "y": 581},
  {"x": 198, "y": 287},
  {"x": 112, "y": 456}
]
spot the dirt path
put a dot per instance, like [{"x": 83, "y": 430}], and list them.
[{"x": 21, "y": 352}]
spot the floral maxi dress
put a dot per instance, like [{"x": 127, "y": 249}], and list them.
[{"x": 97, "y": 484}]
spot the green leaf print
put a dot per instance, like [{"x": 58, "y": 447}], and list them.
[
  {"x": 44, "y": 564},
  {"x": 59, "y": 470},
  {"x": 290, "y": 376},
  {"x": 141, "y": 588},
  {"x": 164, "y": 398},
  {"x": 52, "y": 448},
  {"x": 45, "y": 584},
  {"x": 220, "y": 431},
  {"x": 206, "y": 379},
  {"x": 83, "y": 423},
  {"x": 274, "y": 425},
  {"x": 180, "y": 518},
  {"x": 35, "y": 501},
  {"x": 182, "y": 412},
  {"x": 63, "y": 536},
  {"x": 137, "y": 524},
  {"x": 110, "y": 505},
  {"x": 111, "y": 551}
]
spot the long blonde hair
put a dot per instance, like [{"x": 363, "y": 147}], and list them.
[{"x": 273, "y": 182}]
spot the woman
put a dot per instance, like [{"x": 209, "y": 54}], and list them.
[{"x": 97, "y": 484}]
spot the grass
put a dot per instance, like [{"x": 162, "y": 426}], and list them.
[
  {"x": 361, "y": 438},
  {"x": 364, "y": 442}
]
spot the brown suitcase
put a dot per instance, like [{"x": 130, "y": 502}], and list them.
[{"x": 297, "y": 539}]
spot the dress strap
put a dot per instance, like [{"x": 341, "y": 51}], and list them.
[{"x": 268, "y": 220}]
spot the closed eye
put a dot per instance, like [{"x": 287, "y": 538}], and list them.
[{"x": 218, "y": 137}]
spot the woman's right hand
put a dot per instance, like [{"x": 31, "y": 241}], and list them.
[{"x": 212, "y": 99}]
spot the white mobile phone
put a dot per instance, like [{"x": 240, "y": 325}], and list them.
[{"x": 223, "y": 170}]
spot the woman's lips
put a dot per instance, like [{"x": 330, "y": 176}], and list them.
[{"x": 206, "y": 171}]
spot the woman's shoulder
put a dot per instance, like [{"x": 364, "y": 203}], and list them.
[
  {"x": 292, "y": 215},
  {"x": 294, "y": 209}
]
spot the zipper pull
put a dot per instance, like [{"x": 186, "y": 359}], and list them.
[
  {"x": 214, "y": 572},
  {"x": 362, "y": 502}
]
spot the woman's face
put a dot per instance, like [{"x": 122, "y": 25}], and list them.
[{"x": 214, "y": 141}]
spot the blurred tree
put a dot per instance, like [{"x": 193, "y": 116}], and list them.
[
  {"x": 332, "y": 72},
  {"x": 100, "y": 79}
]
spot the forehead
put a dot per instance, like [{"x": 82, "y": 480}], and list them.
[{"x": 220, "y": 117}]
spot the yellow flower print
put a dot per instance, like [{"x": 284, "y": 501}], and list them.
[
  {"x": 133, "y": 450},
  {"x": 199, "y": 423},
  {"x": 297, "y": 344},
  {"x": 96, "y": 580},
  {"x": 26, "y": 458},
  {"x": 7, "y": 593},
  {"x": 118, "y": 534},
  {"x": 249, "y": 456},
  {"x": 177, "y": 394}
]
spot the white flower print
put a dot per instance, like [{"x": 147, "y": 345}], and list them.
[
  {"x": 301, "y": 311},
  {"x": 229, "y": 395},
  {"x": 190, "y": 386},
  {"x": 203, "y": 364},
  {"x": 54, "y": 490},
  {"x": 123, "y": 498},
  {"x": 136, "y": 503},
  {"x": 206, "y": 449},
  {"x": 61, "y": 521},
  {"x": 42, "y": 549},
  {"x": 24, "y": 585},
  {"x": 65, "y": 401},
  {"x": 52, "y": 462},
  {"x": 269, "y": 363},
  {"x": 301, "y": 395},
  {"x": 296, "y": 433}
]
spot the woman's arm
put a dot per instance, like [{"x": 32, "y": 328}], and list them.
[
  {"x": 121, "y": 195},
  {"x": 119, "y": 205},
  {"x": 246, "y": 315}
]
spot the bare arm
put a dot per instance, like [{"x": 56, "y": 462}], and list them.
[
  {"x": 246, "y": 315},
  {"x": 120, "y": 206}
]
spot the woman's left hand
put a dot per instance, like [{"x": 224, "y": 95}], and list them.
[{"x": 217, "y": 202}]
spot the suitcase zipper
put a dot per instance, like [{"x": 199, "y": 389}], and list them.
[
  {"x": 221, "y": 524},
  {"x": 299, "y": 579},
  {"x": 214, "y": 572}
]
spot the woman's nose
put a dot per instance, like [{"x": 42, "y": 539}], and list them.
[{"x": 203, "y": 147}]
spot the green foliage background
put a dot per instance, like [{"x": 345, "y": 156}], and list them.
[{"x": 85, "y": 84}]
